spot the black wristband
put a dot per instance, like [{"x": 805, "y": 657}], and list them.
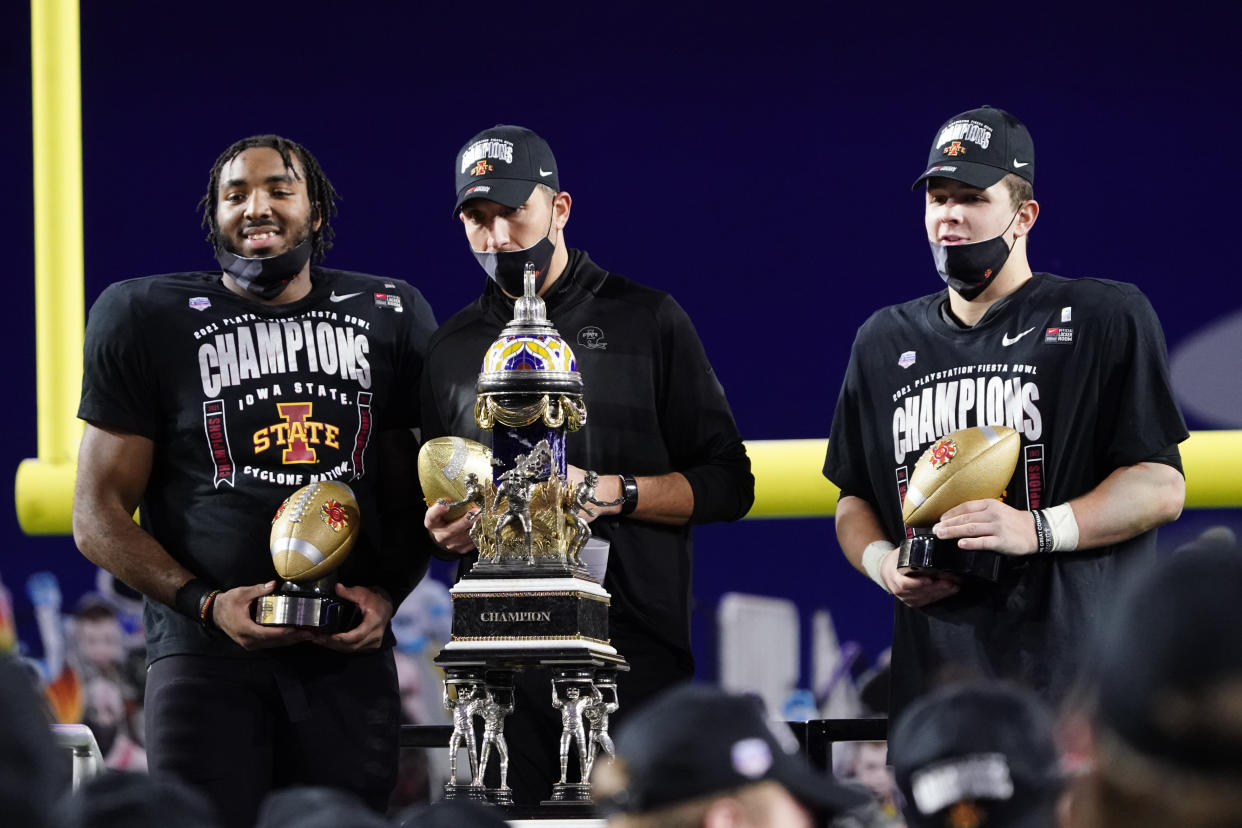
[
  {"x": 1043, "y": 533},
  {"x": 629, "y": 494},
  {"x": 191, "y": 598}
]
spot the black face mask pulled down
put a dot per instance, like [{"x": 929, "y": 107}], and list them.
[
  {"x": 970, "y": 268},
  {"x": 266, "y": 277},
  {"x": 507, "y": 267}
]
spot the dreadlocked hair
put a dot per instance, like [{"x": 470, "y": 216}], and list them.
[{"x": 319, "y": 189}]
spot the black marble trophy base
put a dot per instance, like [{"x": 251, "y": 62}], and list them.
[
  {"x": 565, "y": 793},
  {"x": 470, "y": 793},
  {"x": 566, "y": 610},
  {"x": 927, "y": 552}
]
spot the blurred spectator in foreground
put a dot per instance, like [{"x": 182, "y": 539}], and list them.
[
  {"x": 977, "y": 755},
  {"x": 134, "y": 800},
  {"x": 698, "y": 756},
  {"x": 314, "y": 806},
  {"x": 1164, "y": 739},
  {"x": 32, "y": 773},
  {"x": 452, "y": 814}
]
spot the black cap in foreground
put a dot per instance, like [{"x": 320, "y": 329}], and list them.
[
  {"x": 977, "y": 754},
  {"x": 503, "y": 164},
  {"x": 314, "y": 806},
  {"x": 126, "y": 799},
  {"x": 696, "y": 740},
  {"x": 1169, "y": 663},
  {"x": 979, "y": 148}
]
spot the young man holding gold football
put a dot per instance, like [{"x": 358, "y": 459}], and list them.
[
  {"x": 209, "y": 398},
  {"x": 1076, "y": 366}
]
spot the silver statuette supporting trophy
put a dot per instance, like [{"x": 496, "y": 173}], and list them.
[{"x": 528, "y": 602}]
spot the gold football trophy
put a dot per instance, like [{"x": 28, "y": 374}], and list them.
[
  {"x": 968, "y": 464},
  {"x": 312, "y": 534}
]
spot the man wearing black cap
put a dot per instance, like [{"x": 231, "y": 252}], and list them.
[
  {"x": 1076, "y": 366},
  {"x": 979, "y": 755},
  {"x": 661, "y": 434},
  {"x": 700, "y": 756},
  {"x": 1164, "y": 699}
]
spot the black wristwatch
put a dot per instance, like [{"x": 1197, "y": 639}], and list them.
[{"x": 629, "y": 493}]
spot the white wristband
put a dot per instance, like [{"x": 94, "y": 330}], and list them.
[
  {"x": 872, "y": 557},
  {"x": 1064, "y": 527}
]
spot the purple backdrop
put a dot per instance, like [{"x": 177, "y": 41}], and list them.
[{"x": 756, "y": 165}]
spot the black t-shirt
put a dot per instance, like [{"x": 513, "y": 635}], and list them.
[
  {"x": 654, "y": 406},
  {"x": 1078, "y": 368},
  {"x": 247, "y": 402}
]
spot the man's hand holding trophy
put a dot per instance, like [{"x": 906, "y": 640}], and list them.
[{"x": 969, "y": 464}]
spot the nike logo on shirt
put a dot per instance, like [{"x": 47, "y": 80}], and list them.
[
  {"x": 345, "y": 296},
  {"x": 1006, "y": 341}
]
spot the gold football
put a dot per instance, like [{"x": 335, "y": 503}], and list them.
[
  {"x": 969, "y": 464},
  {"x": 444, "y": 463},
  {"x": 313, "y": 531}
]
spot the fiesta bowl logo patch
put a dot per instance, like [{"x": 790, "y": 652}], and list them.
[
  {"x": 942, "y": 453},
  {"x": 200, "y": 303},
  {"x": 334, "y": 514},
  {"x": 906, "y": 359}
]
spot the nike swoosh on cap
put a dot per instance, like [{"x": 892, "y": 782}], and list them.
[
  {"x": 544, "y": 173},
  {"x": 1006, "y": 341},
  {"x": 1020, "y": 164},
  {"x": 341, "y": 298}
]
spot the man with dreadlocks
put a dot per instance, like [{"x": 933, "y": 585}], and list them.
[{"x": 208, "y": 398}]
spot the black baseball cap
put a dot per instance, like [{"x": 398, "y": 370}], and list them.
[
  {"x": 1168, "y": 662},
  {"x": 979, "y": 148},
  {"x": 979, "y": 754},
  {"x": 503, "y": 164},
  {"x": 695, "y": 740}
]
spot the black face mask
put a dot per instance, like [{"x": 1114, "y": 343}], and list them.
[
  {"x": 506, "y": 267},
  {"x": 266, "y": 277},
  {"x": 970, "y": 268}
]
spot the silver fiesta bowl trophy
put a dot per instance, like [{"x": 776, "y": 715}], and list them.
[
  {"x": 528, "y": 602},
  {"x": 968, "y": 464},
  {"x": 312, "y": 533}
]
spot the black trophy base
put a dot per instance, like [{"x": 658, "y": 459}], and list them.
[
  {"x": 294, "y": 606},
  {"x": 569, "y": 793},
  {"x": 500, "y": 796},
  {"x": 923, "y": 553},
  {"x": 464, "y": 793},
  {"x": 550, "y": 612},
  {"x": 521, "y": 568}
]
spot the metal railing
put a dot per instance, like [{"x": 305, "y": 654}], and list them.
[{"x": 87, "y": 758}]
